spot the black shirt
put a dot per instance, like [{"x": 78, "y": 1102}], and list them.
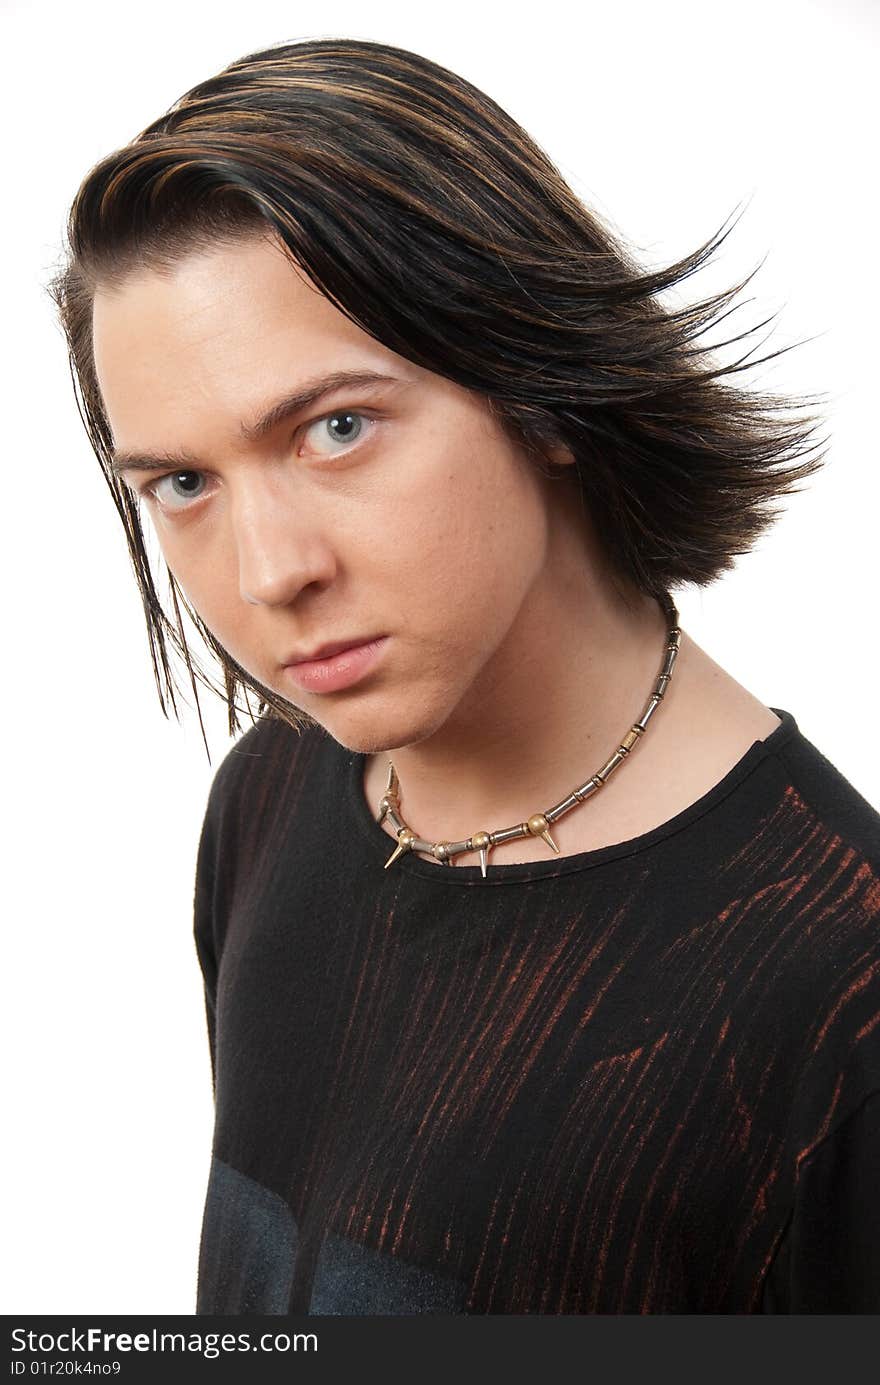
[{"x": 639, "y": 1079}]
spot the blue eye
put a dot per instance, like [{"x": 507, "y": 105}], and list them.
[
  {"x": 177, "y": 490},
  {"x": 344, "y": 423},
  {"x": 180, "y": 484}
]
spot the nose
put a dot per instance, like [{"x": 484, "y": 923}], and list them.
[{"x": 279, "y": 552}]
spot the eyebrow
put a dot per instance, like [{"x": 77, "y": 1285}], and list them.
[{"x": 282, "y": 410}]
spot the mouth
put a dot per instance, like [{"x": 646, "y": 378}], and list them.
[
  {"x": 325, "y": 651},
  {"x": 337, "y": 666}
]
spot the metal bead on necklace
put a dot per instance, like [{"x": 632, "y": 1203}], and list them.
[{"x": 539, "y": 824}]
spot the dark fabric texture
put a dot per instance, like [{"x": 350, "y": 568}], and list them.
[{"x": 641, "y": 1079}]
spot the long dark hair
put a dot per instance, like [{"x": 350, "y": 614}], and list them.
[{"x": 434, "y": 222}]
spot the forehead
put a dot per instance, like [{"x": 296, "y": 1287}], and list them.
[{"x": 221, "y": 329}]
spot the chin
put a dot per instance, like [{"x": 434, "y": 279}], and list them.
[{"x": 372, "y": 730}]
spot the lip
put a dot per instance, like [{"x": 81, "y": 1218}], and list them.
[
  {"x": 324, "y": 651},
  {"x": 339, "y": 669}
]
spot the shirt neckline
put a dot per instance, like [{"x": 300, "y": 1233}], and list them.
[{"x": 382, "y": 844}]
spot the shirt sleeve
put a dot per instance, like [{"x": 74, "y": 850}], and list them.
[
  {"x": 829, "y": 1258},
  {"x": 204, "y": 934},
  {"x": 216, "y": 863}
]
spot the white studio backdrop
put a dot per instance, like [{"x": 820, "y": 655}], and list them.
[{"x": 665, "y": 119}]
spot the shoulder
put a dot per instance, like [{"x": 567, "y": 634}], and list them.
[
  {"x": 816, "y": 843},
  {"x": 254, "y": 786},
  {"x": 250, "y": 796},
  {"x": 267, "y": 753},
  {"x": 823, "y": 845},
  {"x": 799, "y": 850},
  {"x": 823, "y": 799}
]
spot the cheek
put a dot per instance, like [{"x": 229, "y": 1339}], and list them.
[
  {"x": 473, "y": 535},
  {"x": 207, "y": 575}
]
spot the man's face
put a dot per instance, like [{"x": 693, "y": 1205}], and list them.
[{"x": 397, "y": 509}]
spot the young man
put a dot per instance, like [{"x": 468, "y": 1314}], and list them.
[{"x": 574, "y": 1008}]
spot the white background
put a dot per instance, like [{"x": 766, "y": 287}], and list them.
[{"x": 664, "y": 117}]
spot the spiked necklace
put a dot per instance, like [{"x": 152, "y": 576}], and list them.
[{"x": 539, "y": 824}]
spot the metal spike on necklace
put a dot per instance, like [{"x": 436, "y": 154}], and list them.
[{"x": 539, "y": 824}]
